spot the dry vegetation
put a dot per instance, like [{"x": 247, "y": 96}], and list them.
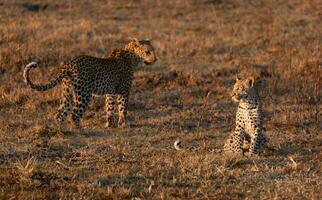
[{"x": 201, "y": 46}]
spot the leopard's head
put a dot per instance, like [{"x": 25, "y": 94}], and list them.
[
  {"x": 243, "y": 88},
  {"x": 142, "y": 49}
]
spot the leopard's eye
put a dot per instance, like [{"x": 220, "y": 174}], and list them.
[{"x": 147, "y": 52}]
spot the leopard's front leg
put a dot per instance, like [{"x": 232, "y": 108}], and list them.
[
  {"x": 255, "y": 143},
  {"x": 110, "y": 107},
  {"x": 122, "y": 102}
]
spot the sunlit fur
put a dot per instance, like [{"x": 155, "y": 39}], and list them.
[
  {"x": 86, "y": 75},
  {"x": 249, "y": 118}
]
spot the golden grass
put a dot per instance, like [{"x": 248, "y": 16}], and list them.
[{"x": 201, "y": 46}]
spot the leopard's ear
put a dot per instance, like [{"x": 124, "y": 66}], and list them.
[
  {"x": 250, "y": 81},
  {"x": 135, "y": 40},
  {"x": 237, "y": 78}
]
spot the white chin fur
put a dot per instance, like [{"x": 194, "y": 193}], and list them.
[{"x": 235, "y": 99}]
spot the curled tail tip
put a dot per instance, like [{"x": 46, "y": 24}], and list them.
[
  {"x": 177, "y": 145},
  {"x": 32, "y": 64}
]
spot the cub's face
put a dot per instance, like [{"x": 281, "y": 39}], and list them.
[
  {"x": 242, "y": 88},
  {"x": 145, "y": 50}
]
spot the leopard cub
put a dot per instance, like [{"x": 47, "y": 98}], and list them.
[{"x": 249, "y": 119}]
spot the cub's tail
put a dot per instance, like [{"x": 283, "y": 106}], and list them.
[
  {"x": 40, "y": 87},
  {"x": 178, "y": 146}
]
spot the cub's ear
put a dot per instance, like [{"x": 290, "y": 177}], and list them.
[
  {"x": 250, "y": 81},
  {"x": 237, "y": 78},
  {"x": 146, "y": 40},
  {"x": 135, "y": 40}
]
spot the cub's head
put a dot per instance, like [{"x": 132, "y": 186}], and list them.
[
  {"x": 243, "y": 89},
  {"x": 143, "y": 49}
]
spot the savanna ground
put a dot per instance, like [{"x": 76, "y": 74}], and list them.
[{"x": 201, "y": 46}]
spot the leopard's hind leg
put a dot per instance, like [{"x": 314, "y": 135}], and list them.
[
  {"x": 256, "y": 142},
  {"x": 66, "y": 104},
  {"x": 235, "y": 142},
  {"x": 81, "y": 103},
  {"x": 262, "y": 141}
]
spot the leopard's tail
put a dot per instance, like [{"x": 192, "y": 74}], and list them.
[
  {"x": 178, "y": 146},
  {"x": 40, "y": 87}
]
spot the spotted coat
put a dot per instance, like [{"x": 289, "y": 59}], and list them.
[
  {"x": 86, "y": 75},
  {"x": 249, "y": 119}
]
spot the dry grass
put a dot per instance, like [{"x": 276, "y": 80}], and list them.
[{"x": 201, "y": 46}]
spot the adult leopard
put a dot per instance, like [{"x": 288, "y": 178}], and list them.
[{"x": 85, "y": 75}]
